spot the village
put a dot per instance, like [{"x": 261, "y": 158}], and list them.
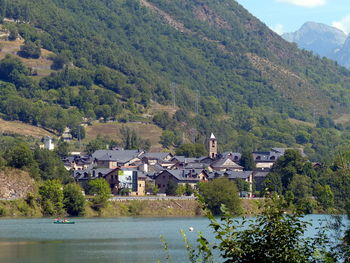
[{"x": 140, "y": 173}]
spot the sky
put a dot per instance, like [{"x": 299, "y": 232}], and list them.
[{"x": 289, "y": 15}]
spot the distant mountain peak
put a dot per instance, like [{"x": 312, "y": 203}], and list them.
[{"x": 322, "y": 39}]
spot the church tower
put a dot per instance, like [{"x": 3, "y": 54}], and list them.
[{"x": 212, "y": 147}]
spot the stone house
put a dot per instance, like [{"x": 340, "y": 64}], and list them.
[{"x": 179, "y": 177}]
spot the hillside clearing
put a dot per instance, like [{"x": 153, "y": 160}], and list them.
[
  {"x": 112, "y": 131},
  {"x": 17, "y": 127},
  {"x": 42, "y": 65}
]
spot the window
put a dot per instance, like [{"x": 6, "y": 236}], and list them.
[{"x": 159, "y": 186}]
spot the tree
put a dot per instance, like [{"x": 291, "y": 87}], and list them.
[
  {"x": 94, "y": 145},
  {"x": 51, "y": 195},
  {"x": 273, "y": 183},
  {"x": 51, "y": 166},
  {"x": 74, "y": 200},
  {"x": 300, "y": 186},
  {"x": 288, "y": 165},
  {"x": 62, "y": 149},
  {"x": 30, "y": 50},
  {"x": 131, "y": 141},
  {"x": 171, "y": 188},
  {"x": 20, "y": 156},
  {"x": 191, "y": 150},
  {"x": 59, "y": 61},
  {"x": 101, "y": 191},
  {"x": 324, "y": 196},
  {"x": 247, "y": 161},
  {"x": 220, "y": 191},
  {"x": 167, "y": 139}
]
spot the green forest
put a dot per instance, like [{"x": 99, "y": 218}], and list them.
[{"x": 112, "y": 58}]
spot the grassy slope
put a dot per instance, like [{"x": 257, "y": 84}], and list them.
[
  {"x": 112, "y": 131},
  {"x": 17, "y": 127}
]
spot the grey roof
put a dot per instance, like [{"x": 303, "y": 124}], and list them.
[
  {"x": 156, "y": 155},
  {"x": 183, "y": 159},
  {"x": 232, "y": 155},
  {"x": 231, "y": 174},
  {"x": 94, "y": 173},
  {"x": 283, "y": 150},
  {"x": 183, "y": 175},
  {"x": 122, "y": 156},
  {"x": 266, "y": 156},
  {"x": 220, "y": 163},
  {"x": 195, "y": 166}
]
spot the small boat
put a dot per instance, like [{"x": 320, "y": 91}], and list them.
[{"x": 63, "y": 221}]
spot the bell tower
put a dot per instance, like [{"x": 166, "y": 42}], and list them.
[{"x": 212, "y": 147}]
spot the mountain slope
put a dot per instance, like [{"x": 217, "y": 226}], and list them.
[{"x": 228, "y": 72}]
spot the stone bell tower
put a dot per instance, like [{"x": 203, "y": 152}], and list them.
[{"x": 212, "y": 147}]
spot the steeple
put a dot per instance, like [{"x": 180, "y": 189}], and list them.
[{"x": 212, "y": 147}]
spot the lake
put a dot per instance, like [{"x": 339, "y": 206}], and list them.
[{"x": 100, "y": 239}]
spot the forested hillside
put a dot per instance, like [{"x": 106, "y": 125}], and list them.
[{"x": 225, "y": 70}]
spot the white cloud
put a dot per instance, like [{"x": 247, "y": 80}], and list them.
[
  {"x": 343, "y": 24},
  {"x": 304, "y": 3},
  {"x": 279, "y": 29}
]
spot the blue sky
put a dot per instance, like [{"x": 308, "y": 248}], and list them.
[{"x": 289, "y": 15}]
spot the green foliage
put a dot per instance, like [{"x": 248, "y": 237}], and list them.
[
  {"x": 167, "y": 139},
  {"x": 51, "y": 166},
  {"x": 74, "y": 200},
  {"x": 273, "y": 236},
  {"x": 324, "y": 195},
  {"x": 20, "y": 156},
  {"x": 247, "y": 161},
  {"x": 288, "y": 165},
  {"x": 132, "y": 141},
  {"x": 191, "y": 150},
  {"x": 51, "y": 196},
  {"x": 101, "y": 191},
  {"x": 219, "y": 192},
  {"x": 172, "y": 188},
  {"x": 30, "y": 50}
]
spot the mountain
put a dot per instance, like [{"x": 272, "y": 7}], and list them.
[
  {"x": 343, "y": 55},
  {"x": 322, "y": 39},
  {"x": 224, "y": 70}
]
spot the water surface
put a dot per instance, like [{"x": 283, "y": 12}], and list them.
[{"x": 100, "y": 240}]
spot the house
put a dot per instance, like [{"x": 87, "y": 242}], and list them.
[
  {"x": 48, "y": 144},
  {"x": 156, "y": 157},
  {"x": 84, "y": 176},
  {"x": 246, "y": 176},
  {"x": 78, "y": 162},
  {"x": 179, "y": 177},
  {"x": 116, "y": 158},
  {"x": 127, "y": 181},
  {"x": 225, "y": 164},
  {"x": 265, "y": 160}
]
